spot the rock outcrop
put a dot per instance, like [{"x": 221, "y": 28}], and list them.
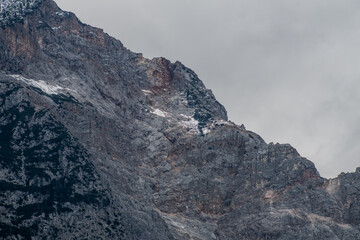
[{"x": 98, "y": 142}]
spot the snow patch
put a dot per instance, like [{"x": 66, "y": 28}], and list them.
[
  {"x": 56, "y": 28},
  {"x": 60, "y": 13},
  {"x": 158, "y": 112},
  {"x": 185, "y": 116},
  {"x": 45, "y": 87},
  {"x": 223, "y": 122},
  {"x": 206, "y": 130},
  {"x": 146, "y": 91},
  {"x": 190, "y": 122}
]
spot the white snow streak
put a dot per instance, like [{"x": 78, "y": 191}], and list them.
[
  {"x": 146, "y": 91},
  {"x": 223, "y": 122},
  {"x": 45, "y": 87},
  {"x": 60, "y": 13},
  {"x": 158, "y": 112},
  {"x": 190, "y": 122}
]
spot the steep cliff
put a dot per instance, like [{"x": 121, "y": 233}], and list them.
[{"x": 98, "y": 142}]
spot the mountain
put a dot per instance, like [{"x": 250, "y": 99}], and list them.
[{"x": 98, "y": 142}]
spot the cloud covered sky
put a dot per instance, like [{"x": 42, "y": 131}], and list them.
[{"x": 287, "y": 70}]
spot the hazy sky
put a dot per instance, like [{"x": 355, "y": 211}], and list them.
[{"x": 287, "y": 70}]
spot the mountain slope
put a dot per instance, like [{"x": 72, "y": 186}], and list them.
[{"x": 146, "y": 151}]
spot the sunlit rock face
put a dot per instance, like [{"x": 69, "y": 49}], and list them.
[{"x": 98, "y": 142}]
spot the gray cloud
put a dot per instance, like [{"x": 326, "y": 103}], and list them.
[{"x": 288, "y": 70}]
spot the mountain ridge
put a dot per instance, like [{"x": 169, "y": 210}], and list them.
[{"x": 155, "y": 143}]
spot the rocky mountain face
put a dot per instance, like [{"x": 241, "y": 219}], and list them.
[{"x": 97, "y": 142}]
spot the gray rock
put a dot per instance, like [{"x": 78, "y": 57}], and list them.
[{"x": 97, "y": 141}]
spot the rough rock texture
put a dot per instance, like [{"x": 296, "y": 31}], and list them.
[
  {"x": 98, "y": 142},
  {"x": 12, "y": 11}
]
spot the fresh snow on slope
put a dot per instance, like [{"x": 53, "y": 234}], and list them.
[
  {"x": 45, "y": 87},
  {"x": 158, "y": 112},
  {"x": 206, "y": 130},
  {"x": 189, "y": 122},
  {"x": 146, "y": 91}
]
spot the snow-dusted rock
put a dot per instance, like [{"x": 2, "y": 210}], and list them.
[
  {"x": 15, "y": 10},
  {"x": 97, "y": 142}
]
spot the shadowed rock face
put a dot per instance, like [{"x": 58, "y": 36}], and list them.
[{"x": 98, "y": 142}]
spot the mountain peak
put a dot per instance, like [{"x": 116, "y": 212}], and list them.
[{"x": 96, "y": 140}]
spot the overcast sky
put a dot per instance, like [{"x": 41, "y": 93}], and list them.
[{"x": 287, "y": 70}]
